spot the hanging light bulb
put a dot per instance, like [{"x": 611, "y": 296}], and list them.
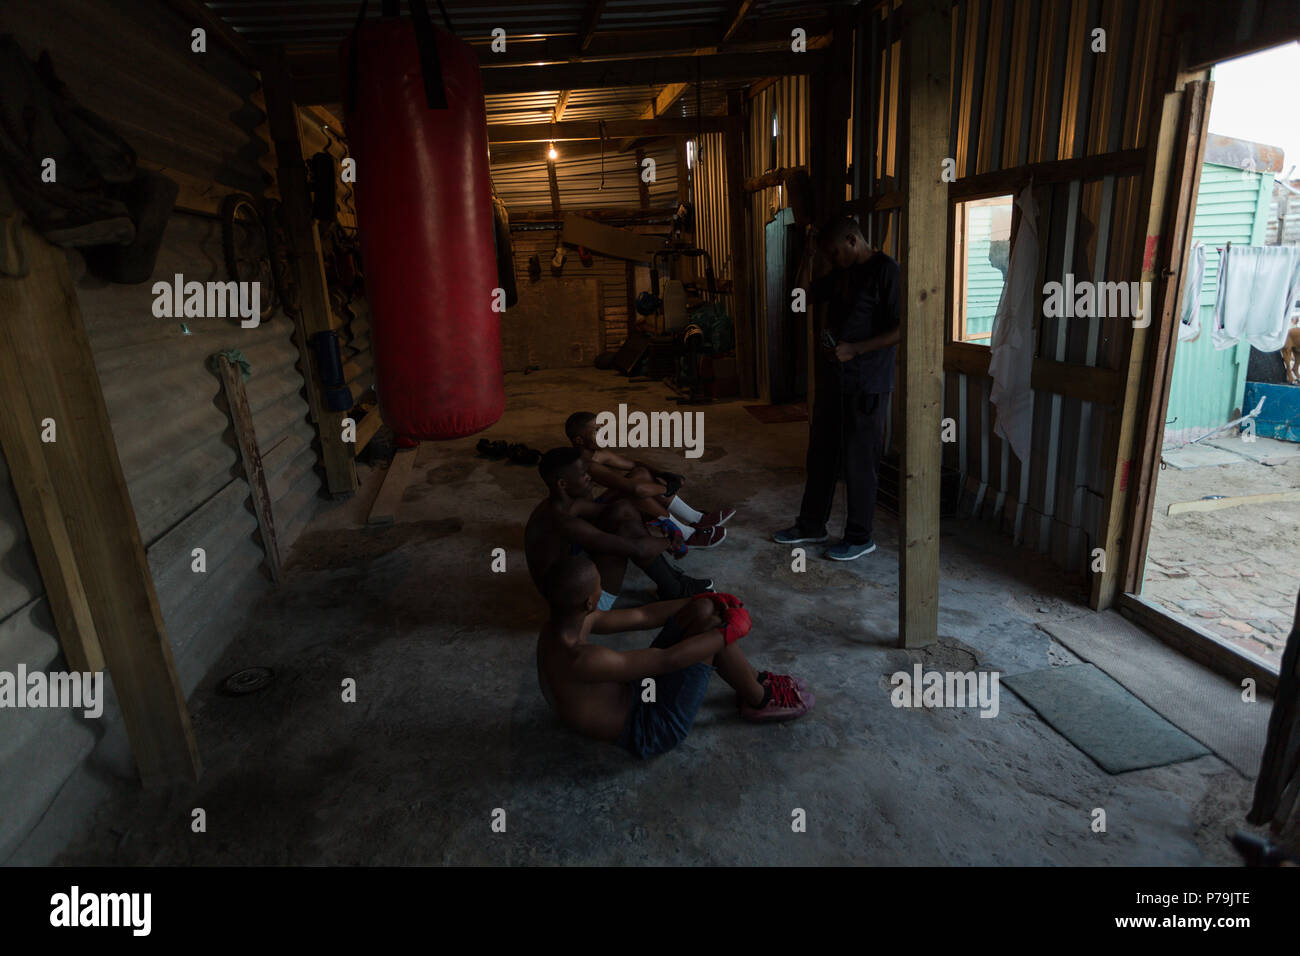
[{"x": 551, "y": 153}]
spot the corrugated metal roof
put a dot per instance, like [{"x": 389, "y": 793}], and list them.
[{"x": 318, "y": 23}]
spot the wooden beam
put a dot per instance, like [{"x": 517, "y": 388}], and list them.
[
  {"x": 646, "y": 71},
  {"x": 396, "y": 478},
  {"x": 741, "y": 256},
  {"x": 315, "y": 314},
  {"x": 1197, "y": 643},
  {"x": 635, "y": 215},
  {"x": 20, "y": 428},
  {"x": 683, "y": 171},
  {"x": 367, "y": 428},
  {"x": 770, "y": 33},
  {"x": 735, "y": 17},
  {"x": 590, "y": 23},
  {"x": 642, "y": 187},
  {"x": 311, "y": 88},
  {"x": 926, "y": 41},
  {"x": 42, "y": 332},
  {"x": 561, "y": 104},
  {"x": 1175, "y": 184},
  {"x": 614, "y": 129},
  {"x": 199, "y": 14},
  {"x": 555, "y": 187},
  {"x": 1128, "y": 162},
  {"x": 1232, "y": 501},
  {"x": 669, "y": 95},
  {"x": 776, "y": 177},
  {"x": 241, "y": 417}
]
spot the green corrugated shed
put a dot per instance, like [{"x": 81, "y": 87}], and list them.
[
  {"x": 1208, "y": 385},
  {"x": 983, "y": 279}
]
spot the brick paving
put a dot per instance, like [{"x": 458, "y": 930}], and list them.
[{"x": 1236, "y": 571}]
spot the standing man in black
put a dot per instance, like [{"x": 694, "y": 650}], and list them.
[{"x": 854, "y": 377}]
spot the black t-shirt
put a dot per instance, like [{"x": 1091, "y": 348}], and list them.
[{"x": 863, "y": 302}]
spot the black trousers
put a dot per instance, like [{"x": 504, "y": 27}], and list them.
[{"x": 846, "y": 438}]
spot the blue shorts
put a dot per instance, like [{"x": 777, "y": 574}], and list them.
[{"x": 654, "y": 728}]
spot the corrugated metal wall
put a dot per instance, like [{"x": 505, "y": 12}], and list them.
[
  {"x": 1207, "y": 384},
  {"x": 131, "y": 63},
  {"x": 787, "y": 100},
  {"x": 712, "y": 208},
  {"x": 1026, "y": 88}
]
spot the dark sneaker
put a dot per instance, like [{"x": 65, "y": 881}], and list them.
[
  {"x": 716, "y": 519},
  {"x": 848, "y": 552},
  {"x": 705, "y": 538},
  {"x": 795, "y": 536},
  {"x": 688, "y": 587},
  {"x": 785, "y": 700}
]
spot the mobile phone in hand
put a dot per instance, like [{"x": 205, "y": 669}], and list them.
[{"x": 828, "y": 340}]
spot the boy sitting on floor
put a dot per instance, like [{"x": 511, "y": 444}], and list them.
[
  {"x": 652, "y": 492},
  {"x": 600, "y": 692}
]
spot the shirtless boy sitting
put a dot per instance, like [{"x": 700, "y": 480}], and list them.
[
  {"x": 599, "y": 692},
  {"x": 652, "y": 492},
  {"x": 569, "y": 522}
]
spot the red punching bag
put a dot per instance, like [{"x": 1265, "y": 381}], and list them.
[{"x": 424, "y": 211}]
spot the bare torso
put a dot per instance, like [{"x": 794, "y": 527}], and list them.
[{"x": 596, "y": 709}]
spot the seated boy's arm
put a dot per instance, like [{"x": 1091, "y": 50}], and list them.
[
  {"x": 616, "y": 480},
  {"x": 587, "y": 536},
  {"x": 598, "y": 663},
  {"x": 612, "y": 459},
  {"x": 643, "y": 618}
]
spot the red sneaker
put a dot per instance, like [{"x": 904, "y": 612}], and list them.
[
  {"x": 708, "y": 537},
  {"x": 715, "y": 519},
  {"x": 785, "y": 700}
]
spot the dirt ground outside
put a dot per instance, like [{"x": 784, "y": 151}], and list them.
[{"x": 1234, "y": 571}]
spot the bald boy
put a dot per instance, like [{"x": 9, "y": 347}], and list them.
[{"x": 602, "y": 693}]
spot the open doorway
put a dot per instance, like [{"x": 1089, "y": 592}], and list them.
[{"x": 1221, "y": 555}]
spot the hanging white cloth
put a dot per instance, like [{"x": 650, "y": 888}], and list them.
[
  {"x": 1189, "y": 318},
  {"x": 1257, "y": 287},
  {"x": 1012, "y": 342}
]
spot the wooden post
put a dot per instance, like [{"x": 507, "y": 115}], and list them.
[
  {"x": 642, "y": 187},
  {"x": 926, "y": 40},
  {"x": 20, "y": 437},
  {"x": 49, "y": 361},
  {"x": 683, "y": 172},
  {"x": 738, "y": 206},
  {"x": 315, "y": 313},
  {"x": 246, "y": 437}
]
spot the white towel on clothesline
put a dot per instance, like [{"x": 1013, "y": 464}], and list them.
[
  {"x": 1011, "y": 344},
  {"x": 1257, "y": 286},
  {"x": 1189, "y": 319}
]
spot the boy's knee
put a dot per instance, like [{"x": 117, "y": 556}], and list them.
[{"x": 698, "y": 615}]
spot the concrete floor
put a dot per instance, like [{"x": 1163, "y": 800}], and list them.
[{"x": 449, "y": 724}]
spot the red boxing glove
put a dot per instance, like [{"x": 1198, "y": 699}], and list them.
[
  {"x": 723, "y": 601},
  {"x": 735, "y": 624}
]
